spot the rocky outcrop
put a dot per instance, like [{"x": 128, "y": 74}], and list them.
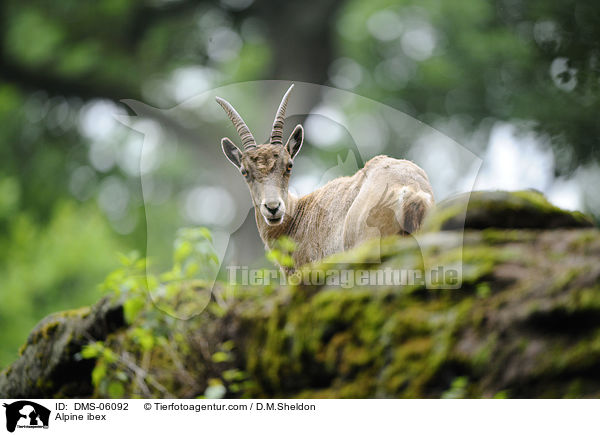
[
  {"x": 49, "y": 364},
  {"x": 525, "y": 322}
]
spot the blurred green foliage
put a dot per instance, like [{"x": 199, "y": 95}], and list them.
[
  {"x": 476, "y": 61},
  {"x": 50, "y": 267}
]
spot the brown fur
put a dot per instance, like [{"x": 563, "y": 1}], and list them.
[
  {"x": 347, "y": 210},
  {"x": 261, "y": 161}
]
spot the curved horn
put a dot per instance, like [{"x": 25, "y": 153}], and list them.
[
  {"x": 277, "y": 132},
  {"x": 248, "y": 140}
]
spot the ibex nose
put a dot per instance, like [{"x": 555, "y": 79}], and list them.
[{"x": 272, "y": 206}]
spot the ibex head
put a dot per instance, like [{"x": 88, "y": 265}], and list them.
[{"x": 265, "y": 167}]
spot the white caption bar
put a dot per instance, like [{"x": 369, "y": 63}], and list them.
[{"x": 299, "y": 416}]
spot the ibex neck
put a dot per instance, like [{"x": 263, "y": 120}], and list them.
[{"x": 269, "y": 233}]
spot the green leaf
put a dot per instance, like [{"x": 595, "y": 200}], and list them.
[
  {"x": 98, "y": 373},
  {"x": 109, "y": 355},
  {"x": 90, "y": 351},
  {"x": 183, "y": 251},
  {"x": 220, "y": 357},
  {"x": 116, "y": 390},
  {"x": 206, "y": 233},
  {"x": 228, "y": 345},
  {"x": 191, "y": 270},
  {"x": 132, "y": 307},
  {"x": 458, "y": 389},
  {"x": 129, "y": 259},
  {"x": 233, "y": 375},
  {"x": 144, "y": 338},
  {"x": 287, "y": 244},
  {"x": 287, "y": 261}
]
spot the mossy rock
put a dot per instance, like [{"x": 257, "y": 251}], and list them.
[
  {"x": 48, "y": 365},
  {"x": 501, "y": 209},
  {"x": 524, "y": 323}
]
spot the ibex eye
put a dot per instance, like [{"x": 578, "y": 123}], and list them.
[
  {"x": 244, "y": 173},
  {"x": 289, "y": 167}
]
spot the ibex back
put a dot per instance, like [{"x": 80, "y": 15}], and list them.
[{"x": 388, "y": 196}]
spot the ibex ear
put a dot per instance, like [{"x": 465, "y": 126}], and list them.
[
  {"x": 294, "y": 143},
  {"x": 232, "y": 152}
]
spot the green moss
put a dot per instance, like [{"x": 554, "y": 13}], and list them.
[
  {"x": 43, "y": 384},
  {"x": 483, "y": 290},
  {"x": 49, "y": 329},
  {"x": 585, "y": 241},
  {"x": 565, "y": 278},
  {"x": 483, "y": 355},
  {"x": 534, "y": 198},
  {"x": 477, "y": 262},
  {"x": 531, "y": 198},
  {"x": 586, "y": 298},
  {"x": 575, "y": 389},
  {"x": 443, "y": 213},
  {"x": 500, "y": 209},
  {"x": 494, "y": 236}
]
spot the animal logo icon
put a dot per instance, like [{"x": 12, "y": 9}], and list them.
[{"x": 27, "y": 414}]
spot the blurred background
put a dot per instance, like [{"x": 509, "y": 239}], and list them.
[{"x": 105, "y": 136}]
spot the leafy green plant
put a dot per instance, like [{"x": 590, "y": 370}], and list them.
[
  {"x": 194, "y": 255},
  {"x": 153, "y": 306},
  {"x": 281, "y": 253}
]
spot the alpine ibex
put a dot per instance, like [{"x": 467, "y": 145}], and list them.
[{"x": 387, "y": 196}]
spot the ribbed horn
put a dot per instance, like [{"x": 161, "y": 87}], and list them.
[
  {"x": 277, "y": 132},
  {"x": 248, "y": 140}
]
